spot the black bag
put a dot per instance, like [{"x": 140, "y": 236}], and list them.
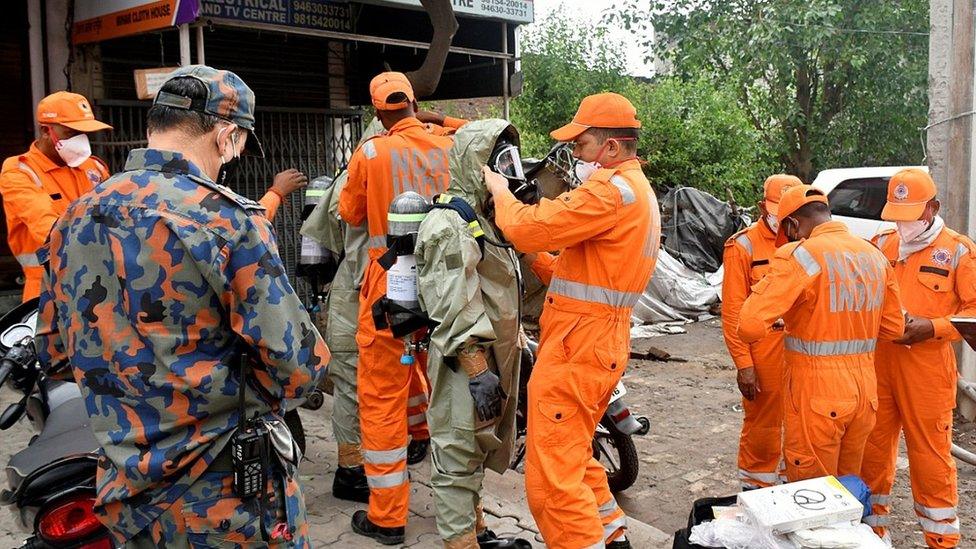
[{"x": 701, "y": 511}]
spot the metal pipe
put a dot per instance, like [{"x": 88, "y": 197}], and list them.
[
  {"x": 966, "y": 387},
  {"x": 506, "y": 106},
  {"x": 201, "y": 58},
  {"x": 963, "y": 455},
  {"x": 36, "y": 46},
  {"x": 355, "y": 38},
  {"x": 185, "y": 45}
]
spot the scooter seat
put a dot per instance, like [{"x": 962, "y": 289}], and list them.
[{"x": 66, "y": 434}]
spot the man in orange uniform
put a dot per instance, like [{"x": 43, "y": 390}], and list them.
[
  {"x": 407, "y": 158},
  {"x": 936, "y": 272},
  {"x": 838, "y": 296},
  {"x": 609, "y": 230},
  {"x": 38, "y": 185},
  {"x": 760, "y": 365}
]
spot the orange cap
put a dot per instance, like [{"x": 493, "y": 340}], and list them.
[
  {"x": 386, "y": 84},
  {"x": 792, "y": 200},
  {"x": 908, "y": 193},
  {"x": 774, "y": 187},
  {"x": 71, "y": 110},
  {"x": 603, "y": 110}
]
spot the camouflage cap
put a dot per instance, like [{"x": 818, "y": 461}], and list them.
[{"x": 228, "y": 98}]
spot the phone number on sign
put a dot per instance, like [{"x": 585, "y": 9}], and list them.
[{"x": 516, "y": 8}]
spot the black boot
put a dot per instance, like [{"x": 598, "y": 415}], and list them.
[
  {"x": 624, "y": 544},
  {"x": 488, "y": 540},
  {"x": 349, "y": 483},
  {"x": 417, "y": 451},
  {"x": 387, "y": 536}
]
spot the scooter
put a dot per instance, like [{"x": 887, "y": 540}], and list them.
[
  {"x": 613, "y": 442},
  {"x": 50, "y": 483}
]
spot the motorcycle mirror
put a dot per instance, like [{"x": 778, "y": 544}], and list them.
[{"x": 12, "y": 414}]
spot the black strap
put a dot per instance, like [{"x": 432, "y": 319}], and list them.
[
  {"x": 397, "y": 246},
  {"x": 463, "y": 209}
]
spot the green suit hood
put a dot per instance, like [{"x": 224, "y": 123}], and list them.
[{"x": 473, "y": 144}]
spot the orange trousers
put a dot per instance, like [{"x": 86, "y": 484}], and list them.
[
  {"x": 916, "y": 394},
  {"x": 580, "y": 361},
  {"x": 761, "y": 440},
  {"x": 829, "y": 411},
  {"x": 384, "y": 388}
]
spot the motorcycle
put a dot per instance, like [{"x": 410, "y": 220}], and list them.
[
  {"x": 613, "y": 442},
  {"x": 51, "y": 482}
]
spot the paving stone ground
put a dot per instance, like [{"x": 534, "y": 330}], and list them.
[{"x": 505, "y": 506}]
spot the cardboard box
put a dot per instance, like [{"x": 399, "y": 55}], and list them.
[
  {"x": 800, "y": 505},
  {"x": 148, "y": 81}
]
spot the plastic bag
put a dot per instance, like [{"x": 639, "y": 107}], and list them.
[
  {"x": 734, "y": 534},
  {"x": 843, "y": 535}
]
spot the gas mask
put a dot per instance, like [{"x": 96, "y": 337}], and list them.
[
  {"x": 73, "y": 150},
  {"x": 505, "y": 159}
]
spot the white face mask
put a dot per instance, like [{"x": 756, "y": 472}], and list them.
[
  {"x": 910, "y": 230},
  {"x": 74, "y": 150},
  {"x": 772, "y": 221},
  {"x": 585, "y": 169}
]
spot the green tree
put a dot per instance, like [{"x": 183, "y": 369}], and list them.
[
  {"x": 827, "y": 83},
  {"x": 692, "y": 132}
]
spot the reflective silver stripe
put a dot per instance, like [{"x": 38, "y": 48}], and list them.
[
  {"x": 377, "y": 241},
  {"x": 961, "y": 250},
  {"x": 626, "y": 193},
  {"x": 768, "y": 478},
  {"x": 744, "y": 241},
  {"x": 943, "y": 528},
  {"x": 936, "y": 513},
  {"x": 613, "y": 526},
  {"x": 416, "y": 419},
  {"x": 830, "y": 348},
  {"x": 391, "y": 480},
  {"x": 600, "y": 545},
  {"x": 876, "y": 521},
  {"x": 30, "y": 173},
  {"x": 594, "y": 294},
  {"x": 385, "y": 457},
  {"x": 417, "y": 400},
  {"x": 881, "y": 499},
  {"x": 28, "y": 260},
  {"x": 806, "y": 260},
  {"x": 608, "y": 508},
  {"x": 369, "y": 149},
  {"x": 881, "y": 240}
]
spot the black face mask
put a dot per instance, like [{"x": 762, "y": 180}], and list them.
[{"x": 228, "y": 170}]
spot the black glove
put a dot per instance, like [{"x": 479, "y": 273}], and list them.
[{"x": 488, "y": 395}]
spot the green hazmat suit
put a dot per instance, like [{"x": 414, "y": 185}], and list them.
[
  {"x": 325, "y": 227},
  {"x": 473, "y": 297}
]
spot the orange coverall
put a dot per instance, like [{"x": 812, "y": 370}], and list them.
[
  {"x": 36, "y": 191},
  {"x": 609, "y": 230},
  {"x": 917, "y": 386},
  {"x": 746, "y": 260},
  {"x": 407, "y": 158},
  {"x": 838, "y": 296}
]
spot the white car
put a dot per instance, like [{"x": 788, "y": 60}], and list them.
[{"x": 857, "y": 196}]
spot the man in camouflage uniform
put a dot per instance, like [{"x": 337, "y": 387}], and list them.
[{"x": 156, "y": 283}]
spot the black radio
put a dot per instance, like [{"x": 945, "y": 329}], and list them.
[{"x": 249, "y": 448}]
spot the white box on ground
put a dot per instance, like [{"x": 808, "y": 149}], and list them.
[{"x": 801, "y": 505}]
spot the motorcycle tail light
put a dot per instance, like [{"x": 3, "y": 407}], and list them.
[{"x": 71, "y": 520}]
